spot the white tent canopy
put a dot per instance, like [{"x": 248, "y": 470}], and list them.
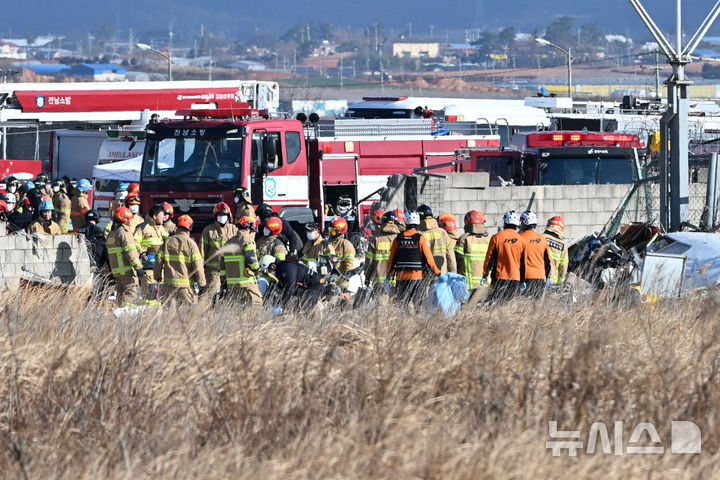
[{"x": 125, "y": 170}]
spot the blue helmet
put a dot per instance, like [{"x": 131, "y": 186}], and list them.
[
  {"x": 29, "y": 185},
  {"x": 46, "y": 205},
  {"x": 122, "y": 187},
  {"x": 83, "y": 185}
]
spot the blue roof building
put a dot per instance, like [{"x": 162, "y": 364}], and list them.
[{"x": 99, "y": 71}]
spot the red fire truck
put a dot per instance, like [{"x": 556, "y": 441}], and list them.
[
  {"x": 560, "y": 158},
  {"x": 198, "y": 161}
]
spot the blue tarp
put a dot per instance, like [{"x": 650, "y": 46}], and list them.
[{"x": 449, "y": 293}]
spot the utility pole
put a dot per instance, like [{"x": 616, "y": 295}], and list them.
[
  {"x": 674, "y": 169},
  {"x": 657, "y": 75},
  {"x": 341, "y": 72}
]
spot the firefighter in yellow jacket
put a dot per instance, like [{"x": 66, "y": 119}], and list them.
[
  {"x": 212, "y": 240},
  {"x": 378, "y": 254},
  {"x": 123, "y": 257},
  {"x": 342, "y": 246},
  {"x": 555, "y": 236},
  {"x": 179, "y": 263},
  {"x": 243, "y": 204},
  {"x": 44, "y": 224},
  {"x": 439, "y": 240},
  {"x": 316, "y": 246},
  {"x": 150, "y": 235},
  {"x": 270, "y": 243},
  {"x": 79, "y": 204},
  {"x": 62, "y": 204},
  {"x": 239, "y": 264},
  {"x": 470, "y": 251}
]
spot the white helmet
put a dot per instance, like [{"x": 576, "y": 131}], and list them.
[
  {"x": 412, "y": 218},
  {"x": 266, "y": 261},
  {"x": 511, "y": 218},
  {"x": 528, "y": 218}
]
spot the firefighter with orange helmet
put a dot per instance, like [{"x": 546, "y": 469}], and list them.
[
  {"x": 79, "y": 204},
  {"x": 446, "y": 221},
  {"x": 243, "y": 203},
  {"x": 239, "y": 263},
  {"x": 179, "y": 263},
  {"x": 342, "y": 246},
  {"x": 133, "y": 189},
  {"x": 212, "y": 240},
  {"x": 123, "y": 257},
  {"x": 270, "y": 243},
  {"x": 376, "y": 219},
  {"x": 471, "y": 249},
  {"x": 555, "y": 236},
  {"x": 169, "y": 213},
  {"x": 439, "y": 240},
  {"x": 132, "y": 203}
]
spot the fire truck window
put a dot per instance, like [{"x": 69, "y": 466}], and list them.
[
  {"x": 569, "y": 171},
  {"x": 292, "y": 146},
  {"x": 615, "y": 170}
]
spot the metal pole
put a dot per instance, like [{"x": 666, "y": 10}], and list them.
[
  {"x": 569, "y": 73},
  {"x": 678, "y": 26},
  {"x": 711, "y": 195},
  {"x": 657, "y": 75},
  {"x": 169, "y": 68},
  {"x": 4, "y": 142}
]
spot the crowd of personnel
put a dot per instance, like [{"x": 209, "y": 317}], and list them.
[{"x": 406, "y": 249}]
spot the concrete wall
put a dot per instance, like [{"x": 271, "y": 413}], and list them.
[
  {"x": 57, "y": 259},
  {"x": 585, "y": 208}
]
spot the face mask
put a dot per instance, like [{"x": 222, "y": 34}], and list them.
[
  {"x": 312, "y": 235},
  {"x": 134, "y": 209},
  {"x": 11, "y": 207},
  {"x": 12, "y": 189},
  {"x": 237, "y": 199},
  {"x": 266, "y": 232},
  {"x": 222, "y": 219}
]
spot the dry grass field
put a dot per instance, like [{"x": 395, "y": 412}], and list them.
[{"x": 215, "y": 393}]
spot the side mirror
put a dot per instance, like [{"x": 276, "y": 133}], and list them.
[{"x": 269, "y": 154}]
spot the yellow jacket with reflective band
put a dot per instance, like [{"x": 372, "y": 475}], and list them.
[
  {"x": 78, "y": 207},
  {"x": 134, "y": 223},
  {"x": 123, "y": 253},
  {"x": 170, "y": 226},
  {"x": 150, "y": 235},
  {"x": 244, "y": 209},
  {"x": 239, "y": 260},
  {"x": 439, "y": 245},
  {"x": 470, "y": 251},
  {"x": 63, "y": 206},
  {"x": 378, "y": 254},
  {"x": 212, "y": 239},
  {"x": 558, "y": 256},
  {"x": 179, "y": 261},
  {"x": 271, "y": 245},
  {"x": 346, "y": 251},
  {"x": 44, "y": 228},
  {"x": 313, "y": 249}
]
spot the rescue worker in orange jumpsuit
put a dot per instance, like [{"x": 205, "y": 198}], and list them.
[
  {"x": 505, "y": 260},
  {"x": 62, "y": 204},
  {"x": 537, "y": 256},
  {"x": 239, "y": 264},
  {"x": 555, "y": 236},
  {"x": 178, "y": 263},
  {"x": 377, "y": 258},
  {"x": 470, "y": 252},
  {"x": 439, "y": 240},
  {"x": 410, "y": 254},
  {"x": 342, "y": 246},
  {"x": 124, "y": 257},
  {"x": 79, "y": 204},
  {"x": 212, "y": 240}
]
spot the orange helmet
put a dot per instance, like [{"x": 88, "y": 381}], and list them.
[
  {"x": 375, "y": 216},
  {"x": 556, "y": 221},
  {"x": 185, "y": 221},
  {"x": 246, "y": 222},
  {"x": 221, "y": 208},
  {"x": 340, "y": 225},
  {"x": 400, "y": 215},
  {"x": 274, "y": 224},
  {"x": 123, "y": 215},
  {"x": 446, "y": 221},
  {"x": 474, "y": 217},
  {"x": 133, "y": 188},
  {"x": 133, "y": 200},
  {"x": 168, "y": 209}
]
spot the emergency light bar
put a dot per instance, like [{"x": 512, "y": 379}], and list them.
[
  {"x": 385, "y": 99},
  {"x": 570, "y": 139}
]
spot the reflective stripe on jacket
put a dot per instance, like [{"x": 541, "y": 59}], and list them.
[
  {"x": 63, "y": 207},
  {"x": 439, "y": 245},
  {"x": 471, "y": 250},
  {"x": 409, "y": 265},
  {"x": 179, "y": 261},
  {"x": 558, "y": 257},
  {"x": 377, "y": 257},
  {"x": 122, "y": 251},
  {"x": 78, "y": 208},
  {"x": 212, "y": 239},
  {"x": 239, "y": 260},
  {"x": 271, "y": 245},
  {"x": 345, "y": 250}
]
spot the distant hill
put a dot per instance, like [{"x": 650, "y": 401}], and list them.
[{"x": 243, "y": 18}]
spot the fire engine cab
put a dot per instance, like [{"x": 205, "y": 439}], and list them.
[
  {"x": 560, "y": 158},
  {"x": 198, "y": 161}
]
